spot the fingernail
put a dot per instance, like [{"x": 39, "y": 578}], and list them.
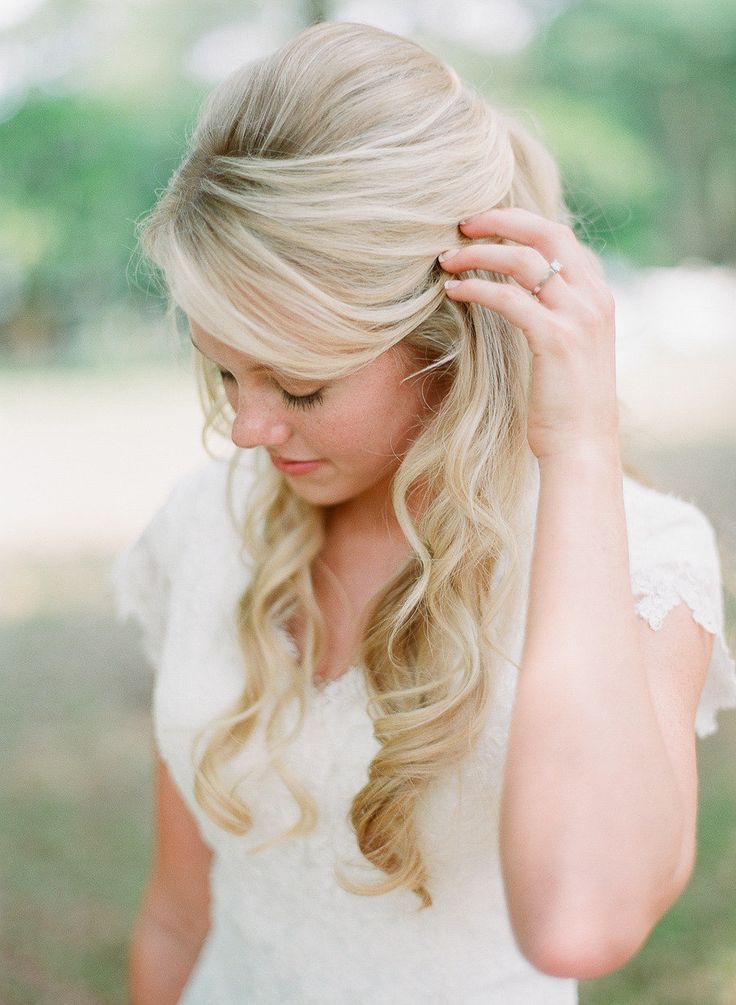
[
  {"x": 452, "y": 282},
  {"x": 447, "y": 254}
]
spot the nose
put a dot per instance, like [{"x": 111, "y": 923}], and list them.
[{"x": 255, "y": 426}]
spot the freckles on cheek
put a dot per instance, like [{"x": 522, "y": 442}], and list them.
[
  {"x": 352, "y": 427},
  {"x": 343, "y": 437},
  {"x": 326, "y": 436}
]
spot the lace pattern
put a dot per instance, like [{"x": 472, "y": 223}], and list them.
[{"x": 674, "y": 559}]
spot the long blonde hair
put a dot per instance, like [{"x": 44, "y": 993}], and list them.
[{"x": 303, "y": 227}]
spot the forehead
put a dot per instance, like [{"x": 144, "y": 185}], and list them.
[
  {"x": 222, "y": 352},
  {"x": 228, "y": 356}
]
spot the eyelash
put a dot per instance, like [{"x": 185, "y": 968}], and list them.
[{"x": 291, "y": 400}]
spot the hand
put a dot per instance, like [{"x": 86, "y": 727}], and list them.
[{"x": 569, "y": 325}]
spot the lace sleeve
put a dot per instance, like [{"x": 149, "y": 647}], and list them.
[
  {"x": 139, "y": 580},
  {"x": 141, "y": 576},
  {"x": 674, "y": 557}
]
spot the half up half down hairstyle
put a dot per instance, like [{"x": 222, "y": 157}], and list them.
[{"x": 303, "y": 227}]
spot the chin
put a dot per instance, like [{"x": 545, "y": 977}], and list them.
[
  {"x": 325, "y": 495},
  {"x": 321, "y": 495}
]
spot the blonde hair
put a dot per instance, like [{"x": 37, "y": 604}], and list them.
[{"x": 303, "y": 227}]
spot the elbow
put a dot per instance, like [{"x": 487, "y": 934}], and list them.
[
  {"x": 585, "y": 941},
  {"x": 585, "y": 948},
  {"x": 587, "y": 945},
  {"x": 583, "y": 955}
]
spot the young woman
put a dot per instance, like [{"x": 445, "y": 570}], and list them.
[{"x": 429, "y": 662}]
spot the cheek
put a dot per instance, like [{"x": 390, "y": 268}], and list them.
[
  {"x": 371, "y": 434},
  {"x": 339, "y": 435}
]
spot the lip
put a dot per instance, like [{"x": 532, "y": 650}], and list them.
[{"x": 295, "y": 467}]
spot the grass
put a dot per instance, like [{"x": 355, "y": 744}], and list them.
[{"x": 74, "y": 805}]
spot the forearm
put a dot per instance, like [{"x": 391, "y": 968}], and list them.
[
  {"x": 160, "y": 961},
  {"x": 591, "y": 819}
]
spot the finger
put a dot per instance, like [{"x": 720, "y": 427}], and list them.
[
  {"x": 550, "y": 238},
  {"x": 525, "y": 265},
  {"x": 515, "y": 305}
]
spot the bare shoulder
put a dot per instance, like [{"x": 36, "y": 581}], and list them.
[{"x": 178, "y": 892}]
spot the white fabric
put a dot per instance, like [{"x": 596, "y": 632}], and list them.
[{"x": 282, "y": 930}]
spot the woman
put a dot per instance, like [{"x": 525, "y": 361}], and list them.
[{"x": 417, "y": 739}]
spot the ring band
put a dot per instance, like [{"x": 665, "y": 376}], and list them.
[{"x": 554, "y": 268}]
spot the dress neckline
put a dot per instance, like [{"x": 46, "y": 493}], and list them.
[
  {"x": 321, "y": 687},
  {"x": 326, "y": 685}
]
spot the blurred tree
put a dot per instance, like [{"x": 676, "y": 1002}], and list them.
[
  {"x": 75, "y": 172},
  {"x": 317, "y": 10},
  {"x": 652, "y": 88},
  {"x": 635, "y": 98}
]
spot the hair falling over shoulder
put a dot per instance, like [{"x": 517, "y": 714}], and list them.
[{"x": 303, "y": 227}]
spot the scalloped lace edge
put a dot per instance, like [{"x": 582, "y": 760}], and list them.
[{"x": 656, "y": 601}]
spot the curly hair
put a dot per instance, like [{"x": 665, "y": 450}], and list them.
[{"x": 303, "y": 227}]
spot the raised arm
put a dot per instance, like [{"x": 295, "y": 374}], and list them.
[
  {"x": 598, "y": 805},
  {"x": 598, "y": 814}
]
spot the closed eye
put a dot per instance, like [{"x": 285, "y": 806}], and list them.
[
  {"x": 292, "y": 400},
  {"x": 304, "y": 400}
]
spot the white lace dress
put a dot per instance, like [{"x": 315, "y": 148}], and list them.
[{"x": 282, "y": 929}]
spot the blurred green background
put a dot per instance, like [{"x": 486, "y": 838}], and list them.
[{"x": 99, "y": 414}]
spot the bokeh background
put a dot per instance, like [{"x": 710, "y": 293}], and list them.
[{"x": 99, "y": 413}]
